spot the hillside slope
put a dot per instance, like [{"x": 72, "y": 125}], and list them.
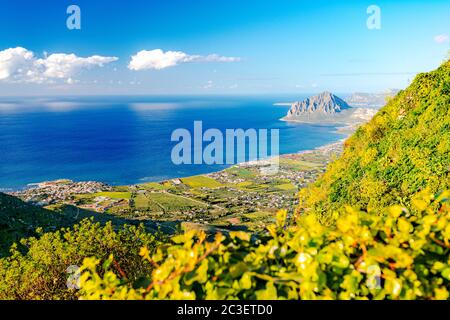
[
  {"x": 19, "y": 220},
  {"x": 403, "y": 150}
]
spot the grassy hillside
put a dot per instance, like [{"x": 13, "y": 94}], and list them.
[
  {"x": 402, "y": 151},
  {"x": 20, "y": 220}
]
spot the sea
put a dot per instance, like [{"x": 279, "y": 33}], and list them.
[{"x": 123, "y": 140}]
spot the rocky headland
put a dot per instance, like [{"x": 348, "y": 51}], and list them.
[{"x": 328, "y": 108}]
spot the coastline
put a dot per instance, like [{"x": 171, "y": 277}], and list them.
[
  {"x": 243, "y": 196},
  {"x": 326, "y": 148},
  {"x": 282, "y": 104},
  {"x": 240, "y": 198}
]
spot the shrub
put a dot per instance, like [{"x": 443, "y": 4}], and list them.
[
  {"x": 42, "y": 271},
  {"x": 397, "y": 255}
]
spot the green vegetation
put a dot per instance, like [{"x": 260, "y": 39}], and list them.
[
  {"x": 241, "y": 172},
  {"x": 166, "y": 202},
  {"x": 41, "y": 272},
  {"x": 16, "y": 217},
  {"x": 19, "y": 220},
  {"x": 153, "y": 186},
  {"x": 201, "y": 182},
  {"x": 403, "y": 150},
  {"x": 392, "y": 256},
  {"x": 286, "y": 186},
  {"x": 244, "y": 184},
  {"x": 114, "y": 195}
]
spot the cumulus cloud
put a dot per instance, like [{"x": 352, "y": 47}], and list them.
[
  {"x": 14, "y": 61},
  {"x": 441, "y": 38},
  {"x": 21, "y": 65},
  {"x": 157, "y": 59},
  {"x": 61, "y": 65}
]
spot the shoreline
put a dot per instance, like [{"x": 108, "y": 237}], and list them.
[
  {"x": 241, "y": 194},
  {"x": 282, "y": 104},
  {"x": 244, "y": 195},
  {"x": 42, "y": 184}
]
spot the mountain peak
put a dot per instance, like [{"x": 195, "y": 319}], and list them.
[
  {"x": 324, "y": 103},
  {"x": 325, "y": 93}
]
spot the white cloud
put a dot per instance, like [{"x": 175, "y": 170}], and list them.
[
  {"x": 157, "y": 59},
  {"x": 441, "y": 38},
  {"x": 21, "y": 65},
  {"x": 62, "y": 66},
  {"x": 216, "y": 58},
  {"x": 14, "y": 61}
]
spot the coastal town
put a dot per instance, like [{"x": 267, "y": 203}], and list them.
[{"x": 58, "y": 191}]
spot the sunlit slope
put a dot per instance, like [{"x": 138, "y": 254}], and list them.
[{"x": 403, "y": 150}]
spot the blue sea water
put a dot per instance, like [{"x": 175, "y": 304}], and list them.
[{"x": 126, "y": 140}]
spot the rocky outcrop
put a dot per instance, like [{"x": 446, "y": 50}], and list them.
[
  {"x": 325, "y": 103},
  {"x": 330, "y": 109}
]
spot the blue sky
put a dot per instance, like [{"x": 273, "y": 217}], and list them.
[{"x": 217, "y": 47}]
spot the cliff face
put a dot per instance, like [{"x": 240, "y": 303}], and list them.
[{"x": 325, "y": 103}]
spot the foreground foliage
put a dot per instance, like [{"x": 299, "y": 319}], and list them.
[
  {"x": 19, "y": 220},
  {"x": 42, "y": 272},
  {"x": 392, "y": 256}
]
